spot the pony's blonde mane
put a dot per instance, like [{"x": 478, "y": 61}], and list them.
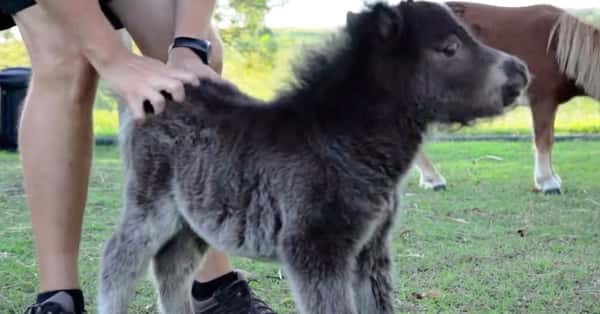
[{"x": 578, "y": 52}]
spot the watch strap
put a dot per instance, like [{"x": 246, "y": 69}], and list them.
[{"x": 201, "y": 47}]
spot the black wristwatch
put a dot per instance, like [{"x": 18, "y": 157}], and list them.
[{"x": 200, "y": 47}]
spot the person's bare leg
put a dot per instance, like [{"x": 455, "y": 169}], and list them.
[
  {"x": 55, "y": 141},
  {"x": 153, "y": 39}
]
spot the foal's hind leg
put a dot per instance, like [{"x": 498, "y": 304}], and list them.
[
  {"x": 373, "y": 274},
  {"x": 544, "y": 114},
  {"x": 174, "y": 266},
  {"x": 320, "y": 277},
  {"x": 128, "y": 252}
]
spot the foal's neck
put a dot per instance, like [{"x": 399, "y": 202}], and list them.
[
  {"x": 336, "y": 95},
  {"x": 376, "y": 130}
]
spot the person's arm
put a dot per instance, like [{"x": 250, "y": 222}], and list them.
[
  {"x": 135, "y": 78},
  {"x": 193, "y": 18}
]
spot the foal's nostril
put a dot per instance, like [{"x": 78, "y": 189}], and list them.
[
  {"x": 518, "y": 79},
  {"x": 523, "y": 68},
  {"x": 523, "y": 73},
  {"x": 517, "y": 73}
]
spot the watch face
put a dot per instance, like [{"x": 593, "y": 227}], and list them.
[{"x": 206, "y": 44}]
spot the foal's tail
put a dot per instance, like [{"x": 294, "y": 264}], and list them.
[{"x": 578, "y": 51}]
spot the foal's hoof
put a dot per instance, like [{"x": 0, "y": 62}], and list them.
[
  {"x": 555, "y": 191},
  {"x": 441, "y": 187}
]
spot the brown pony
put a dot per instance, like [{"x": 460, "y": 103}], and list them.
[{"x": 563, "y": 55}]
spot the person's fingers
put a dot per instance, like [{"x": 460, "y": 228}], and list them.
[
  {"x": 184, "y": 76},
  {"x": 170, "y": 86},
  {"x": 136, "y": 107},
  {"x": 206, "y": 72},
  {"x": 155, "y": 99},
  {"x": 166, "y": 95}
]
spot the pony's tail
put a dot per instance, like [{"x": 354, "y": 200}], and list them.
[{"x": 578, "y": 52}]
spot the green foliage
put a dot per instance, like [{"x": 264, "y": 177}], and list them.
[
  {"x": 105, "y": 99},
  {"x": 589, "y": 15},
  {"x": 106, "y": 122},
  {"x": 7, "y": 35},
  {"x": 13, "y": 52},
  {"x": 245, "y": 32}
]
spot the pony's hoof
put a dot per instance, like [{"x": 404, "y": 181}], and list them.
[
  {"x": 441, "y": 187},
  {"x": 555, "y": 191}
]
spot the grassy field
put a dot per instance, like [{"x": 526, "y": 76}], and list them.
[{"x": 489, "y": 244}]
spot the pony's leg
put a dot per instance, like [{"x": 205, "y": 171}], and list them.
[
  {"x": 430, "y": 177},
  {"x": 141, "y": 234},
  {"x": 320, "y": 277},
  {"x": 373, "y": 283},
  {"x": 174, "y": 267},
  {"x": 546, "y": 179}
]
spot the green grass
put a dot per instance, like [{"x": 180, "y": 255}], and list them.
[{"x": 489, "y": 244}]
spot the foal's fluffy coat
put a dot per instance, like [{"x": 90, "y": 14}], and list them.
[{"x": 310, "y": 178}]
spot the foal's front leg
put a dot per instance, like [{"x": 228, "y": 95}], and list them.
[
  {"x": 320, "y": 277},
  {"x": 373, "y": 283},
  {"x": 128, "y": 253}
]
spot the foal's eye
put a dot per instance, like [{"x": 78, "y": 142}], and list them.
[{"x": 450, "y": 49}]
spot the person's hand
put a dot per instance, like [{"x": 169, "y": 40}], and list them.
[
  {"x": 183, "y": 58},
  {"x": 139, "y": 79}
]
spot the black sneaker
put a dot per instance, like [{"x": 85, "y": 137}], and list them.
[
  {"x": 236, "y": 298},
  {"x": 60, "y": 303}
]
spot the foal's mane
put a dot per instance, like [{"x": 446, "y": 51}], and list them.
[
  {"x": 328, "y": 78},
  {"x": 322, "y": 63},
  {"x": 578, "y": 51},
  {"x": 336, "y": 62},
  {"x": 319, "y": 69}
]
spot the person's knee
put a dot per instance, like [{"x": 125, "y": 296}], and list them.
[
  {"x": 59, "y": 67},
  {"x": 64, "y": 66},
  {"x": 66, "y": 74}
]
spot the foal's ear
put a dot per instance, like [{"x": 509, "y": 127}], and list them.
[
  {"x": 389, "y": 21},
  {"x": 351, "y": 18}
]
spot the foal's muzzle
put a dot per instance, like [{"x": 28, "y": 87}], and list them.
[{"x": 518, "y": 79}]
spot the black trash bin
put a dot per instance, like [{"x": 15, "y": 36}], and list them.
[{"x": 13, "y": 88}]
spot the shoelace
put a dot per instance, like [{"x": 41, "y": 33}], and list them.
[
  {"x": 47, "y": 308},
  {"x": 260, "y": 306}
]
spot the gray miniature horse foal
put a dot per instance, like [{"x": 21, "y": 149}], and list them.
[{"x": 310, "y": 178}]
